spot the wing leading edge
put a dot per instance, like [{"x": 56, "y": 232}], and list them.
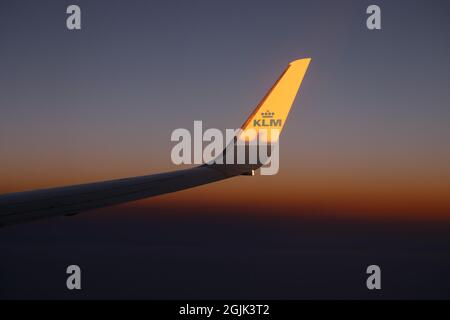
[{"x": 33, "y": 205}]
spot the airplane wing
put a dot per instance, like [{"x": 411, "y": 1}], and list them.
[{"x": 38, "y": 204}]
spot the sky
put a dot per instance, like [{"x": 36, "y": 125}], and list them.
[
  {"x": 370, "y": 121},
  {"x": 366, "y": 139}
]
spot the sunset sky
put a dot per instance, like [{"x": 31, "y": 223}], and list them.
[
  {"x": 367, "y": 137},
  {"x": 369, "y": 127}
]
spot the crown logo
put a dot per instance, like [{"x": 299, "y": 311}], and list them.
[{"x": 267, "y": 114}]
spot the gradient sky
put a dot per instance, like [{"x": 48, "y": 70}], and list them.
[
  {"x": 365, "y": 157},
  {"x": 368, "y": 132}
]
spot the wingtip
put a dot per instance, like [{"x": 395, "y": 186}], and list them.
[{"x": 298, "y": 61}]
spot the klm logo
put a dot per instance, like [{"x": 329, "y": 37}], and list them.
[{"x": 267, "y": 120}]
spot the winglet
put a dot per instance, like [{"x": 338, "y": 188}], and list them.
[
  {"x": 272, "y": 112},
  {"x": 265, "y": 123}
]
